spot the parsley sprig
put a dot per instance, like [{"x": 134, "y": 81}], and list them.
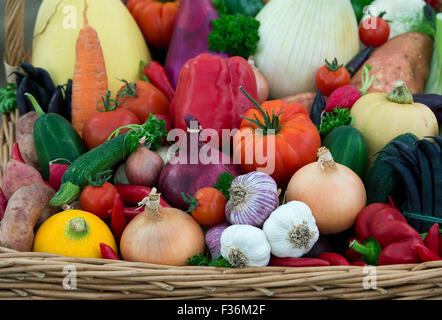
[
  {"x": 8, "y": 98},
  {"x": 332, "y": 120}
]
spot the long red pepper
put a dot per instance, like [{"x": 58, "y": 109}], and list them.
[
  {"x": 297, "y": 262},
  {"x": 108, "y": 253},
  {"x": 440, "y": 246},
  {"x": 3, "y": 204},
  {"x": 425, "y": 254},
  {"x": 118, "y": 219},
  {"x": 431, "y": 240},
  {"x": 130, "y": 212},
  {"x": 158, "y": 76},
  {"x": 333, "y": 258},
  {"x": 133, "y": 194},
  {"x": 16, "y": 154}
]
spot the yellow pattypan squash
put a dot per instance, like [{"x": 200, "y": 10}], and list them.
[{"x": 73, "y": 233}]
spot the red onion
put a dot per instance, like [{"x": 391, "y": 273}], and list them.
[
  {"x": 261, "y": 83},
  {"x": 143, "y": 167},
  {"x": 253, "y": 197},
  {"x": 189, "y": 177},
  {"x": 213, "y": 237}
]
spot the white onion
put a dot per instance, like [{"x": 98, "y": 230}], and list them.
[{"x": 296, "y": 36}]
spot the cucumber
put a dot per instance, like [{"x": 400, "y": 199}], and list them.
[
  {"x": 88, "y": 165},
  {"x": 348, "y": 147},
  {"x": 382, "y": 180}
]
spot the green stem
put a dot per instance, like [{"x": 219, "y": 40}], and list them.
[
  {"x": 35, "y": 104},
  {"x": 334, "y": 66},
  {"x": 400, "y": 94},
  {"x": 366, "y": 79},
  {"x": 100, "y": 179},
  {"x": 191, "y": 200},
  {"x": 108, "y": 103},
  {"x": 77, "y": 229},
  {"x": 129, "y": 91},
  {"x": 370, "y": 250}
]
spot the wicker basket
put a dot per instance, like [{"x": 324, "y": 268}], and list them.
[{"x": 31, "y": 275}]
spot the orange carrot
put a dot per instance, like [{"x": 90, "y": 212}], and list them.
[{"x": 90, "y": 78}]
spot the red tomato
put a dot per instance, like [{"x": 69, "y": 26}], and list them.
[
  {"x": 146, "y": 99},
  {"x": 374, "y": 31},
  {"x": 98, "y": 200},
  {"x": 101, "y": 125},
  {"x": 331, "y": 76},
  {"x": 211, "y": 206}
]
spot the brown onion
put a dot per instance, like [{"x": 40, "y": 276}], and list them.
[
  {"x": 334, "y": 193},
  {"x": 261, "y": 83},
  {"x": 160, "y": 235},
  {"x": 143, "y": 167}
]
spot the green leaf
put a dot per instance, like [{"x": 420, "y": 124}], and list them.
[{"x": 8, "y": 98}]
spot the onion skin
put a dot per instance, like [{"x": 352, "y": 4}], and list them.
[
  {"x": 335, "y": 196},
  {"x": 143, "y": 167},
  {"x": 167, "y": 237},
  {"x": 262, "y": 84},
  {"x": 213, "y": 238},
  {"x": 261, "y": 199}
]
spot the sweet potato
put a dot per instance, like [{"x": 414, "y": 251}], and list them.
[
  {"x": 405, "y": 57},
  {"x": 306, "y": 99},
  {"x": 24, "y": 135},
  {"x": 17, "y": 175},
  {"x": 25, "y": 209}
]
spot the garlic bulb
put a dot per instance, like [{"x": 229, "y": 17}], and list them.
[
  {"x": 296, "y": 36},
  {"x": 291, "y": 230},
  {"x": 245, "y": 246}
]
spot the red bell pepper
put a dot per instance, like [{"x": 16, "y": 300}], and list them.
[
  {"x": 107, "y": 252},
  {"x": 431, "y": 240},
  {"x": 297, "y": 262},
  {"x": 16, "y": 154},
  {"x": 333, "y": 258},
  {"x": 157, "y": 74},
  {"x": 364, "y": 219},
  {"x": 133, "y": 194},
  {"x": 379, "y": 218},
  {"x": 425, "y": 254},
  {"x": 358, "y": 263},
  {"x": 118, "y": 220},
  {"x": 209, "y": 90},
  {"x": 3, "y": 204}
]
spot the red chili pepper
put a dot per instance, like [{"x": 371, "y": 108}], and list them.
[
  {"x": 108, "y": 253},
  {"x": 431, "y": 240},
  {"x": 133, "y": 194},
  {"x": 16, "y": 154},
  {"x": 401, "y": 252},
  {"x": 3, "y": 204},
  {"x": 440, "y": 246},
  {"x": 130, "y": 212},
  {"x": 358, "y": 263},
  {"x": 158, "y": 76},
  {"x": 297, "y": 262},
  {"x": 118, "y": 220},
  {"x": 364, "y": 217},
  {"x": 333, "y": 258},
  {"x": 425, "y": 254}
]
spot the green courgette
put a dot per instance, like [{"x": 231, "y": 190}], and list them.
[
  {"x": 106, "y": 155},
  {"x": 54, "y": 138}
]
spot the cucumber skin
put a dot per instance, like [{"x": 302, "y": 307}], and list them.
[
  {"x": 381, "y": 179},
  {"x": 348, "y": 147}
]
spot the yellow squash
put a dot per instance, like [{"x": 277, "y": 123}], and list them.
[
  {"x": 73, "y": 233},
  {"x": 382, "y": 117},
  {"x": 56, "y": 30}
]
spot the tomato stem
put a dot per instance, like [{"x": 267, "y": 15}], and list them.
[
  {"x": 191, "y": 200},
  {"x": 108, "y": 103},
  {"x": 334, "y": 66},
  {"x": 100, "y": 179}
]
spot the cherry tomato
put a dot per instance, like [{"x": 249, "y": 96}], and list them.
[
  {"x": 374, "y": 31},
  {"x": 101, "y": 125},
  {"x": 98, "y": 200},
  {"x": 143, "y": 99},
  {"x": 331, "y": 76},
  {"x": 210, "y": 206}
]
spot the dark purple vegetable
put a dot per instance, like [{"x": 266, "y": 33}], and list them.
[
  {"x": 190, "y": 35},
  {"x": 185, "y": 172},
  {"x": 39, "y": 76},
  {"x": 56, "y": 104},
  {"x": 322, "y": 245},
  {"x": 23, "y": 103},
  {"x": 68, "y": 100},
  {"x": 317, "y": 108},
  {"x": 433, "y": 101},
  {"x": 358, "y": 61}
]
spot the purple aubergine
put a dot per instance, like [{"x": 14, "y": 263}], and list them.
[
  {"x": 433, "y": 101},
  {"x": 190, "y": 35},
  {"x": 186, "y": 171},
  {"x": 358, "y": 61},
  {"x": 322, "y": 245}
]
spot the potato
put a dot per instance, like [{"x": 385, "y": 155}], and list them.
[
  {"x": 405, "y": 57},
  {"x": 24, "y": 135},
  {"x": 306, "y": 99},
  {"x": 17, "y": 175},
  {"x": 26, "y": 208}
]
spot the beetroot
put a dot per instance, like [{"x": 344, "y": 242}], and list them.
[
  {"x": 187, "y": 173},
  {"x": 346, "y": 96}
]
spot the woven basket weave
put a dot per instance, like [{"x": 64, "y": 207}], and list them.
[{"x": 32, "y": 275}]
